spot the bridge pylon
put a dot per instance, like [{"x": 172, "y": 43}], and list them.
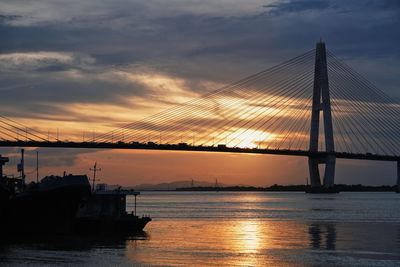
[{"x": 321, "y": 103}]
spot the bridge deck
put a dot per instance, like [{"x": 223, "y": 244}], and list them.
[{"x": 186, "y": 147}]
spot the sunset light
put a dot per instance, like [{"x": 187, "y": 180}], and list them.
[{"x": 199, "y": 133}]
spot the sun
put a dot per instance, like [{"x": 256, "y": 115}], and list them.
[{"x": 250, "y": 139}]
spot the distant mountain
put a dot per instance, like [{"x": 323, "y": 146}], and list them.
[{"x": 176, "y": 184}]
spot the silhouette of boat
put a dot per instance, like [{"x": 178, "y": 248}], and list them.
[
  {"x": 105, "y": 211},
  {"x": 46, "y": 206},
  {"x": 63, "y": 204}
]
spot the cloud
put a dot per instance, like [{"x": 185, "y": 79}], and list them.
[
  {"x": 321, "y": 6},
  {"x": 48, "y": 157},
  {"x": 78, "y": 13},
  {"x": 282, "y": 7},
  {"x": 43, "y": 61}
]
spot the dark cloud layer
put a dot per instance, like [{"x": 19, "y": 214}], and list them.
[{"x": 199, "y": 46}]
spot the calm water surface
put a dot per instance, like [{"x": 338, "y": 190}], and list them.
[{"x": 235, "y": 229}]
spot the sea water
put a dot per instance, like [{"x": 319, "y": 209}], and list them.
[{"x": 234, "y": 229}]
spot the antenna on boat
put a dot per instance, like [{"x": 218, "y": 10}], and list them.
[
  {"x": 21, "y": 167},
  {"x": 94, "y": 169},
  {"x": 37, "y": 166}
]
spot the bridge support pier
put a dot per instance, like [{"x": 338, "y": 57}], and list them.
[
  {"x": 321, "y": 103},
  {"x": 329, "y": 175},
  {"x": 315, "y": 180}
]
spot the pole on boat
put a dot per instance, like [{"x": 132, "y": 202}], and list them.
[
  {"x": 37, "y": 166},
  {"x": 95, "y": 169},
  {"x": 21, "y": 167},
  {"x": 23, "y": 164}
]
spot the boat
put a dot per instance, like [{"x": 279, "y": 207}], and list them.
[
  {"x": 63, "y": 204},
  {"x": 4, "y": 191},
  {"x": 105, "y": 212},
  {"x": 45, "y": 206}
]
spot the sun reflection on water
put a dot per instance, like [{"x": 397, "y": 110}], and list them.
[
  {"x": 248, "y": 242},
  {"x": 250, "y": 232}
]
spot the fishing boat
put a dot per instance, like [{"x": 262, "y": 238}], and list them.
[
  {"x": 105, "y": 212},
  {"x": 63, "y": 204},
  {"x": 46, "y": 206}
]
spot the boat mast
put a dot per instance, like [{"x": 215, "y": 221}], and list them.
[
  {"x": 94, "y": 169},
  {"x": 37, "y": 166},
  {"x": 21, "y": 167}
]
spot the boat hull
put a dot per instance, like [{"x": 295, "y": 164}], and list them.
[
  {"x": 125, "y": 224},
  {"x": 45, "y": 211},
  {"x": 105, "y": 211}
]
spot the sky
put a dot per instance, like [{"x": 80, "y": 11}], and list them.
[{"x": 84, "y": 67}]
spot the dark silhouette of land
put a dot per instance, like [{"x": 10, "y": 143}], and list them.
[
  {"x": 292, "y": 188},
  {"x": 196, "y": 185}
]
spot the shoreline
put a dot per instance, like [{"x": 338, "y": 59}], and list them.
[{"x": 278, "y": 188}]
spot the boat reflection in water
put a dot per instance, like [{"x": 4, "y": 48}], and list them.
[{"x": 68, "y": 250}]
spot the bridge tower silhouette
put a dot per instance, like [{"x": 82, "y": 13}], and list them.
[{"x": 321, "y": 103}]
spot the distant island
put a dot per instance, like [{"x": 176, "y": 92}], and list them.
[
  {"x": 193, "y": 185},
  {"x": 172, "y": 186},
  {"x": 292, "y": 188}
]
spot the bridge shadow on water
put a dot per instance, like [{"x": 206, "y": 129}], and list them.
[
  {"x": 363, "y": 241},
  {"x": 322, "y": 236}
]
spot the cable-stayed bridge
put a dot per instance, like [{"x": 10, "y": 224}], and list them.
[{"x": 313, "y": 105}]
